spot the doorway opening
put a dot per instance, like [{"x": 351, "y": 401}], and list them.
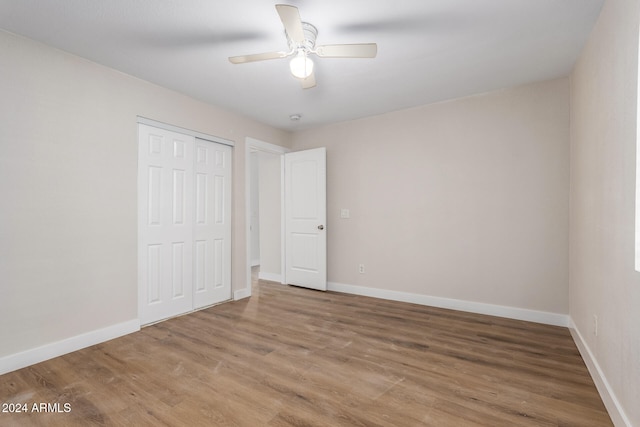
[
  {"x": 286, "y": 216},
  {"x": 266, "y": 215},
  {"x": 265, "y": 207}
]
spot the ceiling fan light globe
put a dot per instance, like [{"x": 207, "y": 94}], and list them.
[{"x": 301, "y": 66}]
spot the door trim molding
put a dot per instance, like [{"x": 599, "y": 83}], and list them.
[
  {"x": 184, "y": 131},
  {"x": 253, "y": 144}
]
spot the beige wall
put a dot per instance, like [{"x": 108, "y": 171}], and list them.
[
  {"x": 603, "y": 148},
  {"x": 466, "y": 199},
  {"x": 254, "y": 202},
  {"x": 270, "y": 215},
  {"x": 68, "y": 171}
]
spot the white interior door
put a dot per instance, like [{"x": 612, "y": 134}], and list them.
[
  {"x": 165, "y": 226},
  {"x": 212, "y": 245},
  {"x": 184, "y": 223},
  {"x": 305, "y": 218}
]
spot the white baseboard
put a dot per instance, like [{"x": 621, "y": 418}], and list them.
[
  {"x": 616, "y": 412},
  {"x": 555, "y": 319},
  {"x": 26, "y": 358},
  {"x": 272, "y": 277},
  {"x": 241, "y": 293}
]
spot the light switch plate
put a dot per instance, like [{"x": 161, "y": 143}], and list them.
[{"x": 344, "y": 213}]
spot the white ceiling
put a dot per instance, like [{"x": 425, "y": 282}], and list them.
[{"x": 428, "y": 50}]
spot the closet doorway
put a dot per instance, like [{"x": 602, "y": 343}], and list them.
[{"x": 184, "y": 222}]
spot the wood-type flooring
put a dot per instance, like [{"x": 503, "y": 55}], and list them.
[{"x": 295, "y": 357}]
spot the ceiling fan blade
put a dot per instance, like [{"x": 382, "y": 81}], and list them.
[
  {"x": 361, "y": 50},
  {"x": 257, "y": 57},
  {"x": 292, "y": 23},
  {"x": 309, "y": 82}
]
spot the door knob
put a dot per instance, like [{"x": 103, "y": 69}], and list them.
[{"x": 321, "y": 227}]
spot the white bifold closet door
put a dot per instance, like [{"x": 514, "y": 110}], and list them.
[{"x": 184, "y": 224}]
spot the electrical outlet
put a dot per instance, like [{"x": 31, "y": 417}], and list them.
[
  {"x": 361, "y": 268},
  {"x": 595, "y": 325}
]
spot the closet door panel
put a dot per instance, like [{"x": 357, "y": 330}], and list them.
[
  {"x": 165, "y": 223},
  {"x": 213, "y": 222}
]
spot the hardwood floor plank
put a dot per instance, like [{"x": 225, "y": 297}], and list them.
[{"x": 289, "y": 356}]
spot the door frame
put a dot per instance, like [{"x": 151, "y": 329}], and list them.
[
  {"x": 184, "y": 131},
  {"x": 252, "y": 144}
]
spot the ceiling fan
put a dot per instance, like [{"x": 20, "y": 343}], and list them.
[{"x": 301, "y": 37}]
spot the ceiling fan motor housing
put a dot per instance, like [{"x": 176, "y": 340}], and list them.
[{"x": 310, "y": 35}]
